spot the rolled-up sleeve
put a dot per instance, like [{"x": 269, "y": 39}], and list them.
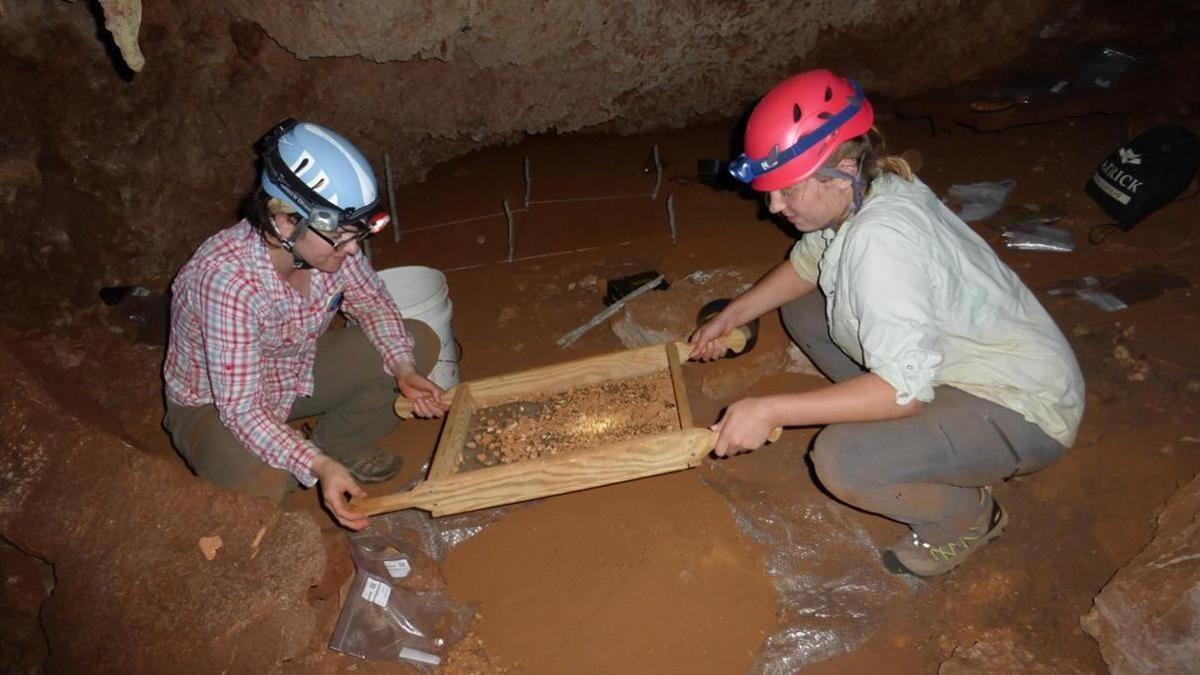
[
  {"x": 368, "y": 302},
  {"x": 805, "y": 256},
  {"x": 891, "y": 295}
]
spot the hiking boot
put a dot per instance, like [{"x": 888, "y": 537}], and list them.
[
  {"x": 913, "y": 556},
  {"x": 375, "y": 468}
]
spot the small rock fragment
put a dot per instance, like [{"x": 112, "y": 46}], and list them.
[{"x": 209, "y": 546}]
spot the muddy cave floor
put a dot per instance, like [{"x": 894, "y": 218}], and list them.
[{"x": 654, "y": 575}]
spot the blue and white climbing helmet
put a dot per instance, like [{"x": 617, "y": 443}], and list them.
[{"x": 322, "y": 175}]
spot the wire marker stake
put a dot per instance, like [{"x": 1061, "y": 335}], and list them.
[
  {"x": 512, "y": 241},
  {"x": 657, "y": 173},
  {"x": 387, "y": 172},
  {"x": 528, "y": 182},
  {"x": 671, "y": 216}
]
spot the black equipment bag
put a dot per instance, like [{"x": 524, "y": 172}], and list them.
[{"x": 1145, "y": 173}]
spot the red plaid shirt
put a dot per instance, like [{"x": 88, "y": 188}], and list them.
[{"x": 246, "y": 341}]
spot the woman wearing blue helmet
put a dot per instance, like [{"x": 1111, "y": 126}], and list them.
[{"x": 249, "y": 349}]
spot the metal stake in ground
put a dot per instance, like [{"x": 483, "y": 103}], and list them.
[
  {"x": 387, "y": 174},
  {"x": 671, "y": 216},
  {"x": 570, "y": 338},
  {"x": 657, "y": 173},
  {"x": 512, "y": 240},
  {"x": 528, "y": 182}
]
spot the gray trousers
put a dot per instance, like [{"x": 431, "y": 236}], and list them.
[
  {"x": 924, "y": 471},
  {"x": 351, "y": 392}
]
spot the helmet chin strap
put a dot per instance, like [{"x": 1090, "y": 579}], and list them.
[
  {"x": 856, "y": 184},
  {"x": 289, "y": 244}
]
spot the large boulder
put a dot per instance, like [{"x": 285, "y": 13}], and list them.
[
  {"x": 1147, "y": 618},
  {"x": 153, "y": 570}
]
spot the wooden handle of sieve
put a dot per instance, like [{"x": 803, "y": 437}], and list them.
[
  {"x": 771, "y": 437},
  {"x": 735, "y": 340},
  {"x": 404, "y": 407},
  {"x": 531, "y": 479}
]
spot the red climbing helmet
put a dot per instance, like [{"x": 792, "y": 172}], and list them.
[{"x": 797, "y": 126}]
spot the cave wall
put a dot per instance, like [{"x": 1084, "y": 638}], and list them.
[{"x": 114, "y": 177}]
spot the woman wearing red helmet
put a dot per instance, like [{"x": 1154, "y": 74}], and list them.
[{"x": 947, "y": 374}]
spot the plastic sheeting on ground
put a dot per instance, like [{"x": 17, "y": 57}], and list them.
[{"x": 833, "y": 590}]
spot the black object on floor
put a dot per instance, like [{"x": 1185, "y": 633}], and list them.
[
  {"x": 623, "y": 286},
  {"x": 714, "y": 307},
  {"x": 715, "y": 174},
  {"x": 1144, "y": 174}
]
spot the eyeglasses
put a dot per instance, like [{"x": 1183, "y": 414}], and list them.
[{"x": 362, "y": 229}]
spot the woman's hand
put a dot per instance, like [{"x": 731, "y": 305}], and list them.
[
  {"x": 744, "y": 426},
  {"x": 426, "y": 396},
  {"x": 706, "y": 341},
  {"x": 336, "y": 482}
]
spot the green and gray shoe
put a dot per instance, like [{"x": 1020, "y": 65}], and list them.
[
  {"x": 913, "y": 556},
  {"x": 375, "y": 468}
]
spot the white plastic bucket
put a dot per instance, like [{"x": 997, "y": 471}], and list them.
[{"x": 422, "y": 294}]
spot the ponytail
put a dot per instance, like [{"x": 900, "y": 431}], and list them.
[{"x": 869, "y": 151}]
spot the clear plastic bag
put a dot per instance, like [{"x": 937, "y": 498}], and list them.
[
  {"x": 1122, "y": 290},
  {"x": 833, "y": 590},
  {"x": 1106, "y": 67},
  {"x": 397, "y": 607},
  {"x": 382, "y": 622},
  {"x": 976, "y": 201},
  {"x": 1038, "y": 237}
]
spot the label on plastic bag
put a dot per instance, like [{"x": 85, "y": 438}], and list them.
[
  {"x": 377, "y": 592},
  {"x": 420, "y": 656},
  {"x": 398, "y": 568}
]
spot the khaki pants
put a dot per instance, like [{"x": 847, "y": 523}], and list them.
[
  {"x": 926, "y": 470},
  {"x": 351, "y": 392}
]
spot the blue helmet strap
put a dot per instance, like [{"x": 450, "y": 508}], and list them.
[{"x": 745, "y": 169}]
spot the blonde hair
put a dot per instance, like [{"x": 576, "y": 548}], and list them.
[{"x": 869, "y": 151}]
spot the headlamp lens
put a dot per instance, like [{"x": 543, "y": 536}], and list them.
[
  {"x": 376, "y": 222},
  {"x": 741, "y": 170}
]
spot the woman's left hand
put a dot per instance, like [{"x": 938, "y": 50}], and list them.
[
  {"x": 745, "y": 426},
  {"x": 426, "y": 396}
]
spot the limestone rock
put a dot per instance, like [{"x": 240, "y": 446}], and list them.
[
  {"x": 119, "y": 527},
  {"x": 27, "y": 582},
  {"x": 1147, "y": 618},
  {"x": 123, "y": 18},
  {"x": 997, "y": 654}
]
